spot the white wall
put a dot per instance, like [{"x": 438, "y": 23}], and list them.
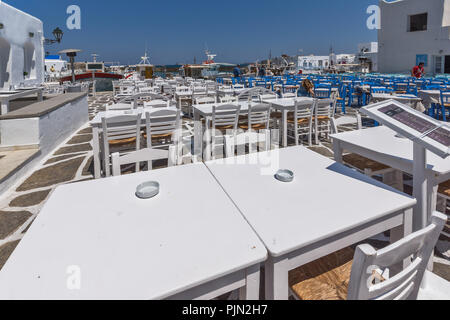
[
  {"x": 398, "y": 47},
  {"x": 19, "y": 50},
  {"x": 312, "y": 62},
  {"x": 46, "y": 131}
]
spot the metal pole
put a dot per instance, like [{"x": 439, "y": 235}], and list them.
[
  {"x": 72, "y": 60},
  {"x": 420, "y": 215}
]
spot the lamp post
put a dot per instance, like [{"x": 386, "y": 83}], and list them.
[
  {"x": 71, "y": 53},
  {"x": 57, "y": 34}
]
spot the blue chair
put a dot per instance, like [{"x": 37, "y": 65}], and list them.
[
  {"x": 445, "y": 104},
  {"x": 322, "y": 91},
  {"x": 342, "y": 96}
]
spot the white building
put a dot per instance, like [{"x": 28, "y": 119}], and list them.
[
  {"x": 313, "y": 62},
  {"x": 21, "y": 48},
  {"x": 368, "y": 55},
  {"x": 54, "y": 65},
  {"x": 414, "y": 31}
]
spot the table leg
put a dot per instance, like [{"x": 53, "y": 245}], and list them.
[
  {"x": 276, "y": 279},
  {"x": 96, "y": 151},
  {"x": 337, "y": 150},
  {"x": 399, "y": 233},
  {"x": 420, "y": 187},
  {"x": 39, "y": 95},
  {"x": 284, "y": 122},
  {"x": 251, "y": 289},
  {"x": 4, "y": 107},
  {"x": 197, "y": 134}
]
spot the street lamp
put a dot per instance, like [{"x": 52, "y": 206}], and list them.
[
  {"x": 71, "y": 53},
  {"x": 57, "y": 34}
]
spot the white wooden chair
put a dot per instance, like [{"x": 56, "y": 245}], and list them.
[
  {"x": 227, "y": 99},
  {"x": 156, "y": 104},
  {"x": 235, "y": 145},
  {"x": 204, "y": 100},
  {"x": 224, "y": 121},
  {"x": 323, "y": 113},
  {"x": 443, "y": 196},
  {"x": 300, "y": 123},
  {"x": 258, "y": 117},
  {"x": 270, "y": 96},
  {"x": 147, "y": 154},
  {"x": 120, "y": 133},
  {"x": 368, "y": 277},
  {"x": 163, "y": 128}
]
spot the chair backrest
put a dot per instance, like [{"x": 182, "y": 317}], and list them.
[
  {"x": 227, "y": 99},
  {"x": 404, "y": 285},
  {"x": 225, "y": 115},
  {"x": 445, "y": 97},
  {"x": 204, "y": 100},
  {"x": 121, "y": 127},
  {"x": 324, "y": 108},
  {"x": 322, "y": 92},
  {"x": 235, "y": 144},
  {"x": 270, "y": 96},
  {"x": 146, "y": 154},
  {"x": 163, "y": 122},
  {"x": 258, "y": 114},
  {"x": 182, "y": 89},
  {"x": 253, "y": 93},
  {"x": 303, "y": 109},
  {"x": 156, "y": 104},
  {"x": 380, "y": 90}
]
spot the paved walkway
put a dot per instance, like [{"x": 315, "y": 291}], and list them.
[{"x": 72, "y": 162}]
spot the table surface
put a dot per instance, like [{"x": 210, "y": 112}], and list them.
[
  {"x": 8, "y": 95},
  {"x": 128, "y": 248},
  {"x": 384, "y": 141},
  {"x": 206, "y": 109},
  {"x": 315, "y": 206},
  {"x": 395, "y": 96},
  {"x": 97, "y": 120},
  {"x": 287, "y": 102}
]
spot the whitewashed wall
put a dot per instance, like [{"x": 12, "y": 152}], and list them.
[
  {"x": 21, "y": 48},
  {"x": 398, "y": 48}
]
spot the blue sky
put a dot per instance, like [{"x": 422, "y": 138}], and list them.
[{"x": 176, "y": 31}]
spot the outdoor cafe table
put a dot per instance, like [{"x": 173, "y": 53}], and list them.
[
  {"x": 205, "y": 111},
  {"x": 285, "y": 105},
  {"x": 181, "y": 244},
  {"x": 409, "y": 99},
  {"x": 96, "y": 124},
  {"x": 7, "y": 96},
  {"x": 325, "y": 208},
  {"x": 383, "y": 145},
  {"x": 429, "y": 97},
  {"x": 230, "y": 91}
]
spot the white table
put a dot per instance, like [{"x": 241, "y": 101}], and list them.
[
  {"x": 230, "y": 91},
  {"x": 285, "y": 105},
  {"x": 410, "y": 99},
  {"x": 205, "y": 111},
  {"x": 429, "y": 97},
  {"x": 182, "y": 244},
  {"x": 326, "y": 208},
  {"x": 381, "y": 144},
  {"x": 7, "y": 96},
  {"x": 96, "y": 124}
]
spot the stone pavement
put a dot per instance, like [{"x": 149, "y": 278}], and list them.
[{"x": 72, "y": 162}]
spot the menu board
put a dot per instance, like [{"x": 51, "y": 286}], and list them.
[{"x": 432, "y": 134}]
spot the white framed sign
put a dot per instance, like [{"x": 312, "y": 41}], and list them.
[{"x": 412, "y": 124}]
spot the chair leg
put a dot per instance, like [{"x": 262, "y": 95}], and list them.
[{"x": 316, "y": 133}]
